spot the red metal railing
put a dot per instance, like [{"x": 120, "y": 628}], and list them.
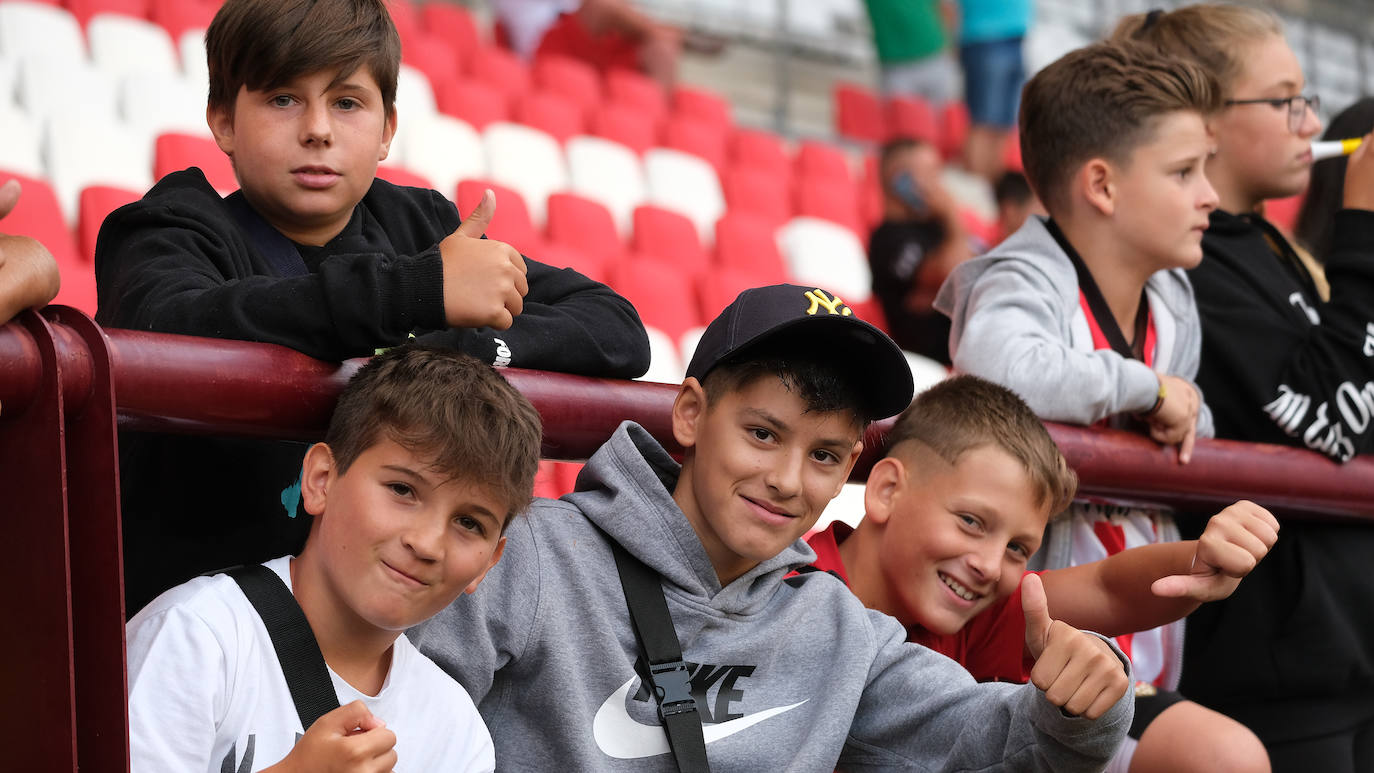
[{"x": 65, "y": 385}]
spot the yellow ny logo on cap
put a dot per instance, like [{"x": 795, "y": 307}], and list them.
[{"x": 832, "y": 304}]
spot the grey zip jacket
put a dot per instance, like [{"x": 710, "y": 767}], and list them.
[
  {"x": 1015, "y": 320},
  {"x": 789, "y": 674}
]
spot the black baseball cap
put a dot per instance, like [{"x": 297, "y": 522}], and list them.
[{"x": 826, "y": 325}]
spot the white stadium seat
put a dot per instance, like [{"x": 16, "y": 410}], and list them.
[
  {"x": 442, "y": 148},
  {"x": 528, "y": 160},
  {"x": 607, "y": 172},
  {"x": 82, "y": 153},
  {"x": 665, "y": 363},
  {"x": 686, "y": 184},
  {"x": 40, "y": 28},
  {"x": 20, "y": 143},
  {"x": 154, "y": 103},
  {"x": 121, "y": 45},
  {"x": 51, "y": 83},
  {"x": 824, "y": 254}
]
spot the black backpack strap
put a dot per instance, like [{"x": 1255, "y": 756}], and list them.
[
  {"x": 302, "y": 663},
  {"x": 278, "y": 250},
  {"x": 661, "y": 651}
]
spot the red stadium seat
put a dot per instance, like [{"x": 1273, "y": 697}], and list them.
[
  {"x": 476, "y": 102},
  {"x": 511, "y": 224},
  {"x": 83, "y": 10},
  {"x": 625, "y": 124},
  {"x": 912, "y": 117},
  {"x": 398, "y": 175},
  {"x": 433, "y": 56},
  {"x": 661, "y": 292},
  {"x": 571, "y": 78},
  {"x": 700, "y": 138},
  {"x": 670, "y": 236},
  {"x": 859, "y": 113},
  {"x": 719, "y": 288},
  {"x": 831, "y": 201},
  {"x": 585, "y": 225},
  {"x": 40, "y": 216},
  {"x": 761, "y": 150},
  {"x": 702, "y": 105},
  {"x": 757, "y": 192},
  {"x": 501, "y": 69},
  {"x": 174, "y": 151},
  {"x": 178, "y": 16},
  {"x": 454, "y": 23},
  {"x": 564, "y": 256},
  {"x": 749, "y": 244},
  {"x": 1283, "y": 212},
  {"x": 954, "y": 124},
  {"x": 635, "y": 89},
  {"x": 818, "y": 161},
  {"x": 550, "y": 112},
  {"x": 406, "y": 20},
  {"x": 97, "y": 202}
]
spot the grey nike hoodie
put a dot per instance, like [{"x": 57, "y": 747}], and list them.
[{"x": 788, "y": 673}]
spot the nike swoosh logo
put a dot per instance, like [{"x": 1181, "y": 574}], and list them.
[{"x": 620, "y": 736}]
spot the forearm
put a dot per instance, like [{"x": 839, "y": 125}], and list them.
[
  {"x": 28, "y": 275},
  {"x": 1113, "y": 596}
]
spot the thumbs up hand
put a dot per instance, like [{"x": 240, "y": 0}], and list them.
[
  {"x": 484, "y": 280},
  {"x": 1078, "y": 672}
]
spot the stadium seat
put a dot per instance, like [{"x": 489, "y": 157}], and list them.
[
  {"x": 665, "y": 361},
  {"x": 703, "y": 105},
  {"x": 502, "y": 70},
  {"x": 700, "y": 138},
  {"x": 546, "y": 480},
  {"x": 912, "y": 117},
  {"x": 571, "y": 78},
  {"x": 550, "y": 112},
  {"x": 626, "y": 125},
  {"x": 1283, "y": 212},
  {"x": 121, "y": 45},
  {"x": 584, "y": 225},
  {"x": 181, "y": 16},
  {"x": 858, "y": 113},
  {"x": 191, "y": 49},
  {"x": 607, "y": 172},
  {"x": 51, "y": 83},
  {"x": 39, "y": 215},
  {"x": 669, "y": 236},
  {"x": 84, "y": 10},
  {"x": 762, "y": 151},
  {"x": 453, "y": 23},
  {"x": 414, "y": 95},
  {"x": 21, "y": 143},
  {"x": 719, "y": 289},
  {"x": 173, "y": 152},
  {"x": 433, "y": 56},
  {"x": 636, "y": 90},
  {"x": 81, "y": 153},
  {"x": 399, "y": 175},
  {"x": 954, "y": 125},
  {"x": 405, "y": 18},
  {"x": 817, "y": 161},
  {"x": 749, "y": 245},
  {"x": 511, "y": 224},
  {"x": 442, "y": 148},
  {"x": 35, "y": 28},
  {"x": 564, "y": 256},
  {"x": 528, "y": 160},
  {"x": 152, "y": 103},
  {"x": 661, "y": 292},
  {"x": 473, "y": 101},
  {"x": 757, "y": 192},
  {"x": 821, "y": 253},
  {"x": 96, "y": 202},
  {"x": 829, "y": 200},
  {"x": 685, "y": 184}
]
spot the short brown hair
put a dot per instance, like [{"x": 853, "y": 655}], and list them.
[
  {"x": 265, "y": 44},
  {"x": 965, "y": 412},
  {"x": 1214, "y": 35},
  {"x": 454, "y": 409},
  {"x": 1101, "y": 101}
]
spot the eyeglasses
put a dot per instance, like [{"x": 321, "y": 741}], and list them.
[{"x": 1297, "y": 107}]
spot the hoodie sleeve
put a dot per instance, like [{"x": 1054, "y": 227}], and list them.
[
  {"x": 1009, "y": 326},
  {"x": 921, "y": 710},
  {"x": 1282, "y": 366}
]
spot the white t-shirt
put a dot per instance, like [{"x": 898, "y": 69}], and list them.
[{"x": 206, "y": 691}]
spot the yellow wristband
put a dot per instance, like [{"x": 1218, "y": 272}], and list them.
[{"x": 1159, "y": 400}]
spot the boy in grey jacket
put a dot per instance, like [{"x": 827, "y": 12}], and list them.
[
  {"x": 1089, "y": 317},
  {"x": 786, "y": 673}
]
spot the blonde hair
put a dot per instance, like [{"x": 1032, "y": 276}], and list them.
[{"x": 1215, "y": 35}]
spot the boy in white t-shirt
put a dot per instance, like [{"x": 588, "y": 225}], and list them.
[{"x": 428, "y": 455}]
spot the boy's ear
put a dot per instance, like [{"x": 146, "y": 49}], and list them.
[
  {"x": 886, "y": 482},
  {"x": 388, "y": 134},
  {"x": 316, "y": 473},
  {"x": 221, "y": 123},
  {"x": 688, "y": 410},
  {"x": 495, "y": 556},
  {"x": 1097, "y": 180}
]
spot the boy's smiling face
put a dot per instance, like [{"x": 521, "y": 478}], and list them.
[
  {"x": 761, "y": 468},
  {"x": 955, "y": 537},
  {"x": 394, "y": 541},
  {"x": 306, "y": 153}
]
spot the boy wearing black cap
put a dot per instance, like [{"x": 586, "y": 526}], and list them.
[{"x": 783, "y": 673}]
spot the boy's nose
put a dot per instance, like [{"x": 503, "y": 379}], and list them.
[
  {"x": 425, "y": 537},
  {"x": 315, "y": 125},
  {"x": 986, "y": 562},
  {"x": 785, "y": 476}
]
